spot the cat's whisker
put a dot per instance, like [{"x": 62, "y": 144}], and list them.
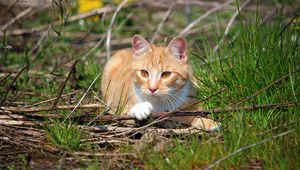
[
  {"x": 164, "y": 103},
  {"x": 177, "y": 97},
  {"x": 170, "y": 100}
]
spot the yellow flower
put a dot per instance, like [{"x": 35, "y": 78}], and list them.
[{"x": 88, "y": 5}]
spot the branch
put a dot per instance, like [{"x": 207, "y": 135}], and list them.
[
  {"x": 65, "y": 82},
  {"x": 79, "y": 153},
  {"x": 157, "y": 115},
  {"x": 111, "y": 25},
  {"x": 49, "y": 108},
  {"x": 11, "y": 84},
  {"x": 19, "y": 16},
  {"x": 162, "y": 23},
  {"x": 230, "y": 23},
  {"x": 56, "y": 23},
  {"x": 83, "y": 96},
  {"x": 52, "y": 99},
  {"x": 203, "y": 112},
  {"x": 192, "y": 24},
  {"x": 268, "y": 86}
]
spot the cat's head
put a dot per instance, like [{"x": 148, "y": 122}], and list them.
[{"x": 158, "y": 71}]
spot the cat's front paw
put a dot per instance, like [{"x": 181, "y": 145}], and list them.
[{"x": 141, "y": 111}]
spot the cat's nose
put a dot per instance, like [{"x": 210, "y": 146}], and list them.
[{"x": 152, "y": 90}]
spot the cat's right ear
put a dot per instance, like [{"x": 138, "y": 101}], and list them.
[{"x": 139, "y": 45}]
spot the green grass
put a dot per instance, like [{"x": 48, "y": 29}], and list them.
[
  {"x": 252, "y": 57},
  {"x": 260, "y": 55},
  {"x": 65, "y": 136}
]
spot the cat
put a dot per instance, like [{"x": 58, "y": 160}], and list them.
[{"x": 148, "y": 78}]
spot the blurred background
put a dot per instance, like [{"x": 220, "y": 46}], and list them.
[{"x": 52, "y": 50}]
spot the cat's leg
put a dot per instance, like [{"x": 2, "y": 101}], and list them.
[
  {"x": 206, "y": 124},
  {"x": 141, "y": 110}
]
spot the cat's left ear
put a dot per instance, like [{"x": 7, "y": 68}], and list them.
[
  {"x": 178, "y": 47},
  {"x": 139, "y": 45}
]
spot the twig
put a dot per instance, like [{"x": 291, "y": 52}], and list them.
[
  {"x": 285, "y": 27},
  {"x": 230, "y": 23},
  {"x": 49, "y": 108},
  {"x": 19, "y": 16},
  {"x": 16, "y": 137},
  {"x": 195, "y": 22},
  {"x": 103, "y": 154},
  {"x": 268, "y": 86},
  {"x": 162, "y": 131},
  {"x": 162, "y": 23},
  {"x": 157, "y": 115},
  {"x": 16, "y": 122},
  {"x": 69, "y": 20},
  {"x": 5, "y": 77},
  {"x": 11, "y": 84},
  {"x": 203, "y": 112},
  {"x": 35, "y": 49},
  {"x": 108, "y": 39},
  {"x": 77, "y": 105},
  {"x": 205, "y": 99},
  {"x": 277, "y": 127},
  {"x": 65, "y": 82},
  {"x": 50, "y": 100},
  {"x": 248, "y": 147},
  {"x": 183, "y": 131},
  {"x": 93, "y": 49}
]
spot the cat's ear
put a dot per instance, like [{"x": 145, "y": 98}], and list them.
[
  {"x": 139, "y": 45},
  {"x": 178, "y": 47}
]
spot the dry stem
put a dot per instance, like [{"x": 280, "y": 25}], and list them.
[
  {"x": 192, "y": 24},
  {"x": 248, "y": 147}
]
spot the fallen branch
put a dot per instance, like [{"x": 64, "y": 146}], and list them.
[
  {"x": 202, "y": 113},
  {"x": 103, "y": 154},
  {"x": 16, "y": 123},
  {"x": 49, "y": 108},
  {"x": 116, "y": 118},
  {"x": 17, "y": 137}
]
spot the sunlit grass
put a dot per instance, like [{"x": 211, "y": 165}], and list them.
[
  {"x": 253, "y": 56},
  {"x": 260, "y": 55},
  {"x": 65, "y": 136}
]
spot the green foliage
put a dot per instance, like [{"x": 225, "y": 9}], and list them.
[
  {"x": 87, "y": 72},
  {"x": 252, "y": 57},
  {"x": 259, "y": 56},
  {"x": 64, "y": 135}
]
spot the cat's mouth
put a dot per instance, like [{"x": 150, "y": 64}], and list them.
[{"x": 157, "y": 94}]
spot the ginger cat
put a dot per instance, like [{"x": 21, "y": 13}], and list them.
[{"x": 150, "y": 79}]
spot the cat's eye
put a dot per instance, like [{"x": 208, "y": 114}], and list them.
[
  {"x": 165, "y": 74},
  {"x": 144, "y": 73}
]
